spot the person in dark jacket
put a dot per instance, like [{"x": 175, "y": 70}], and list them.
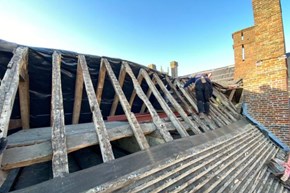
[{"x": 203, "y": 92}]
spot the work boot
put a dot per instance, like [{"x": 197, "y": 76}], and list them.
[{"x": 201, "y": 116}]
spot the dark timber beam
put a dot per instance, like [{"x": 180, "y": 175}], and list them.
[
  {"x": 179, "y": 127},
  {"x": 24, "y": 98},
  {"x": 122, "y": 76},
  {"x": 105, "y": 145},
  {"x": 175, "y": 104},
  {"x": 78, "y": 95},
  {"x": 127, "y": 108},
  {"x": 101, "y": 81},
  {"x": 58, "y": 137},
  {"x": 156, "y": 119}
]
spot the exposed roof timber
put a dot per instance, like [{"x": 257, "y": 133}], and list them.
[
  {"x": 181, "y": 130},
  {"x": 133, "y": 95},
  {"x": 58, "y": 137},
  {"x": 155, "y": 117},
  {"x": 101, "y": 82},
  {"x": 143, "y": 144},
  {"x": 105, "y": 146}
]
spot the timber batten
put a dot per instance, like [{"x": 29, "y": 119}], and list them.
[{"x": 174, "y": 148}]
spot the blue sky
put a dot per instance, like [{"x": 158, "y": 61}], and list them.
[{"x": 197, "y": 34}]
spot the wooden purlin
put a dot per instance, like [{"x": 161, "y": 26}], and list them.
[
  {"x": 122, "y": 76},
  {"x": 140, "y": 137},
  {"x": 8, "y": 88},
  {"x": 177, "y": 107},
  {"x": 58, "y": 137},
  {"x": 24, "y": 98},
  {"x": 155, "y": 117},
  {"x": 179, "y": 127},
  {"x": 104, "y": 140},
  {"x": 78, "y": 95},
  {"x": 189, "y": 109},
  {"x": 193, "y": 104}
]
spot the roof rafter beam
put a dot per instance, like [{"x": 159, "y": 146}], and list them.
[
  {"x": 104, "y": 140},
  {"x": 139, "y": 135},
  {"x": 155, "y": 117},
  {"x": 58, "y": 137}
]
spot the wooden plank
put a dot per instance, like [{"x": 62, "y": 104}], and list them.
[
  {"x": 179, "y": 127},
  {"x": 155, "y": 117},
  {"x": 193, "y": 104},
  {"x": 78, "y": 95},
  {"x": 133, "y": 95},
  {"x": 34, "y": 146},
  {"x": 175, "y": 104},
  {"x": 8, "y": 88},
  {"x": 58, "y": 137},
  {"x": 122, "y": 76},
  {"x": 24, "y": 98},
  {"x": 105, "y": 146},
  {"x": 185, "y": 103},
  {"x": 126, "y": 107},
  {"x": 101, "y": 82}
]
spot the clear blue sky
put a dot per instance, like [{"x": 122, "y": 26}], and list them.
[{"x": 197, "y": 33}]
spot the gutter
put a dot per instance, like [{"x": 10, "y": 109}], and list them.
[{"x": 263, "y": 129}]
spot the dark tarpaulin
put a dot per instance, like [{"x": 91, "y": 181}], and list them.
[{"x": 40, "y": 78}]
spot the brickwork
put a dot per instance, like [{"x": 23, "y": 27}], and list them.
[
  {"x": 174, "y": 69},
  {"x": 264, "y": 68}
]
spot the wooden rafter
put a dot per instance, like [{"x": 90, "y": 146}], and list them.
[
  {"x": 179, "y": 127},
  {"x": 140, "y": 137},
  {"x": 58, "y": 137},
  {"x": 175, "y": 104},
  {"x": 148, "y": 94},
  {"x": 101, "y": 81},
  {"x": 105, "y": 145},
  {"x": 185, "y": 103},
  {"x": 8, "y": 88},
  {"x": 133, "y": 95},
  {"x": 24, "y": 98},
  {"x": 122, "y": 76},
  {"x": 155, "y": 117},
  {"x": 78, "y": 95}
]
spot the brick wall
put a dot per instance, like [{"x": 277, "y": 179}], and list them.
[{"x": 264, "y": 69}]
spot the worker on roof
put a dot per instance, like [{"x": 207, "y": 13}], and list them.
[{"x": 203, "y": 92}]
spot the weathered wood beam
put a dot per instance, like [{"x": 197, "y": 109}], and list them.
[
  {"x": 148, "y": 94},
  {"x": 133, "y": 95},
  {"x": 179, "y": 127},
  {"x": 101, "y": 82},
  {"x": 78, "y": 95},
  {"x": 24, "y": 98},
  {"x": 126, "y": 107},
  {"x": 34, "y": 146},
  {"x": 188, "y": 107},
  {"x": 8, "y": 88},
  {"x": 232, "y": 94},
  {"x": 193, "y": 104},
  {"x": 122, "y": 76},
  {"x": 155, "y": 117},
  {"x": 175, "y": 104},
  {"x": 58, "y": 137},
  {"x": 105, "y": 145}
]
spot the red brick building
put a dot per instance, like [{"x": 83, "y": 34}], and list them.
[{"x": 260, "y": 59}]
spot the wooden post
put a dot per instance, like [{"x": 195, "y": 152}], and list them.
[
  {"x": 196, "y": 118},
  {"x": 58, "y": 137},
  {"x": 175, "y": 104},
  {"x": 104, "y": 140},
  {"x": 24, "y": 98},
  {"x": 122, "y": 76},
  {"x": 140, "y": 137},
  {"x": 78, "y": 95},
  {"x": 101, "y": 81},
  {"x": 155, "y": 117},
  {"x": 179, "y": 127}
]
